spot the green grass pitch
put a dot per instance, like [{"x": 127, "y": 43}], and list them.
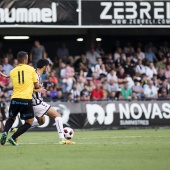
[{"x": 94, "y": 150}]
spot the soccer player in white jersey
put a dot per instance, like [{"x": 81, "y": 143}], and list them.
[{"x": 41, "y": 108}]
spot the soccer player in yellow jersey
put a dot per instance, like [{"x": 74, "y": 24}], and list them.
[{"x": 24, "y": 80}]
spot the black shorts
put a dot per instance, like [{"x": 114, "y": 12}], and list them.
[{"x": 22, "y": 106}]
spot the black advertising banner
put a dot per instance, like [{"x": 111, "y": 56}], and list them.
[
  {"x": 109, "y": 115},
  {"x": 38, "y": 12},
  {"x": 126, "y": 13},
  {"x": 84, "y": 13}
]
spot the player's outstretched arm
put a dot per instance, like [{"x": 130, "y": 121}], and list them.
[{"x": 4, "y": 75}]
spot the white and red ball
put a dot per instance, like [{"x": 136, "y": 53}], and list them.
[{"x": 68, "y": 133}]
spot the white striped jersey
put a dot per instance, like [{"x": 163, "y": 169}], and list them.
[{"x": 37, "y": 97}]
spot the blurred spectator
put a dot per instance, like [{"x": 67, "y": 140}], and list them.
[
  {"x": 49, "y": 83},
  {"x": 127, "y": 47},
  {"x": 165, "y": 87},
  {"x": 99, "y": 68},
  {"x": 111, "y": 86},
  {"x": 121, "y": 60},
  {"x": 109, "y": 62},
  {"x": 99, "y": 49},
  {"x": 149, "y": 55},
  {"x": 129, "y": 81},
  {"x": 121, "y": 73},
  {"x": 151, "y": 45},
  {"x": 139, "y": 54},
  {"x": 126, "y": 92},
  {"x": 160, "y": 55},
  {"x": 140, "y": 68},
  {"x": 6, "y": 66},
  {"x": 112, "y": 75},
  {"x": 97, "y": 93},
  {"x": 150, "y": 71},
  {"x": 112, "y": 96},
  {"x": 137, "y": 90},
  {"x": 150, "y": 91},
  {"x": 46, "y": 96},
  {"x": 161, "y": 64},
  {"x": 144, "y": 80},
  {"x": 98, "y": 65},
  {"x": 102, "y": 71},
  {"x": 37, "y": 52},
  {"x": 129, "y": 66},
  {"x": 62, "y": 52},
  {"x": 59, "y": 96},
  {"x": 163, "y": 94},
  {"x": 132, "y": 54},
  {"x": 161, "y": 75},
  {"x": 82, "y": 76},
  {"x": 85, "y": 94},
  {"x": 167, "y": 71},
  {"x": 3, "y": 80},
  {"x": 54, "y": 78},
  {"x": 92, "y": 56},
  {"x": 122, "y": 76},
  {"x": 164, "y": 47},
  {"x": 67, "y": 76},
  {"x": 117, "y": 54},
  {"x": 75, "y": 93},
  {"x": 63, "y": 70},
  {"x": 15, "y": 63},
  {"x": 156, "y": 82},
  {"x": 81, "y": 64},
  {"x": 103, "y": 87},
  {"x": 90, "y": 85},
  {"x": 80, "y": 85},
  {"x": 53, "y": 91},
  {"x": 47, "y": 58},
  {"x": 70, "y": 97},
  {"x": 9, "y": 55},
  {"x": 69, "y": 70},
  {"x": 95, "y": 79}
]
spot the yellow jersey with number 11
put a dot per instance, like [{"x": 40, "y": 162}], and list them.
[{"x": 23, "y": 78}]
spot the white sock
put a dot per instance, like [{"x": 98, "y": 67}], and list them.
[
  {"x": 59, "y": 126},
  {"x": 35, "y": 123}
]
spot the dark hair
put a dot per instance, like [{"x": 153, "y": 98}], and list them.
[
  {"x": 3, "y": 96},
  {"x": 42, "y": 62},
  {"x": 21, "y": 56}
]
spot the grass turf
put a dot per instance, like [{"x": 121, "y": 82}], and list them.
[{"x": 94, "y": 150}]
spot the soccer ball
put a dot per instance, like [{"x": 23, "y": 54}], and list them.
[{"x": 68, "y": 133}]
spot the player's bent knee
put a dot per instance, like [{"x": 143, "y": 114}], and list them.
[
  {"x": 41, "y": 121},
  {"x": 53, "y": 113},
  {"x": 30, "y": 121},
  {"x": 58, "y": 114}
]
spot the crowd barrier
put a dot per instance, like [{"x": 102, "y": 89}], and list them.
[{"x": 108, "y": 115}]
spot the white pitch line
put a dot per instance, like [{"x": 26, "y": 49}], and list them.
[
  {"x": 112, "y": 143},
  {"x": 114, "y": 137},
  {"x": 75, "y": 144},
  {"x": 122, "y": 137}
]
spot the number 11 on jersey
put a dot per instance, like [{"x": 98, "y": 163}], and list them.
[{"x": 21, "y": 77}]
